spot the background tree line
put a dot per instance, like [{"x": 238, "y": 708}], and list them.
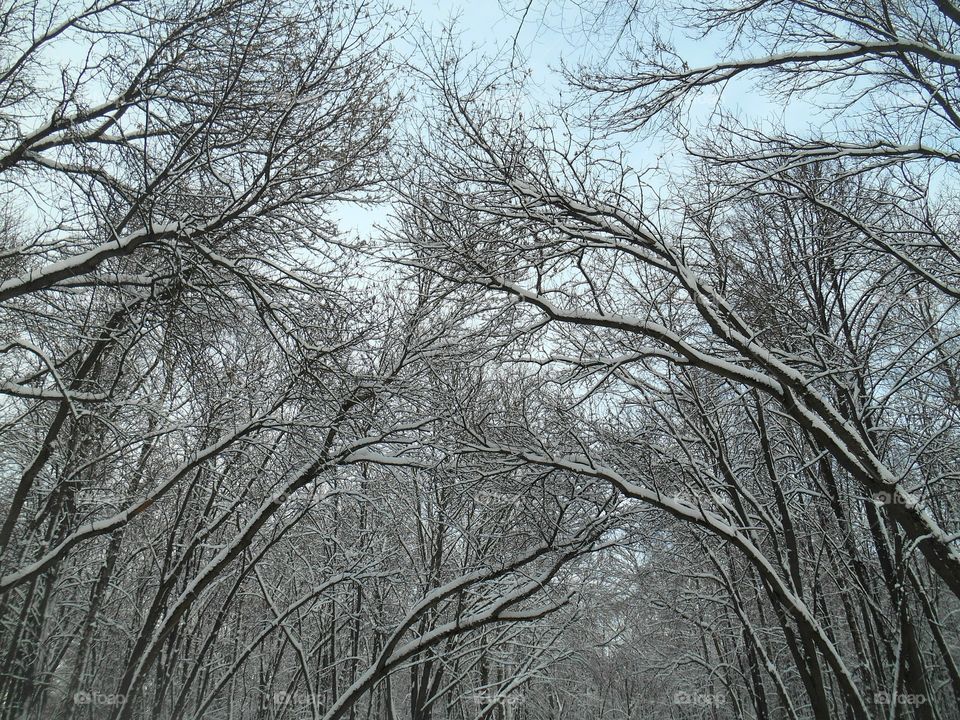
[{"x": 564, "y": 438}]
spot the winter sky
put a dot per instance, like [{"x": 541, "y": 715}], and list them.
[{"x": 539, "y": 38}]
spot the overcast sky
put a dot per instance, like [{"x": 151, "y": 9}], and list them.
[{"x": 550, "y": 33}]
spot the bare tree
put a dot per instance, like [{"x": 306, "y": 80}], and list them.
[{"x": 763, "y": 351}]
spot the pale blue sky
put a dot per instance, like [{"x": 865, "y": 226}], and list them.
[
  {"x": 553, "y": 31},
  {"x": 550, "y": 33}
]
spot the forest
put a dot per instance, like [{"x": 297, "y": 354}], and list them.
[{"x": 351, "y": 369}]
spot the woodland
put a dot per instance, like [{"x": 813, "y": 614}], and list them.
[{"x": 638, "y": 398}]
